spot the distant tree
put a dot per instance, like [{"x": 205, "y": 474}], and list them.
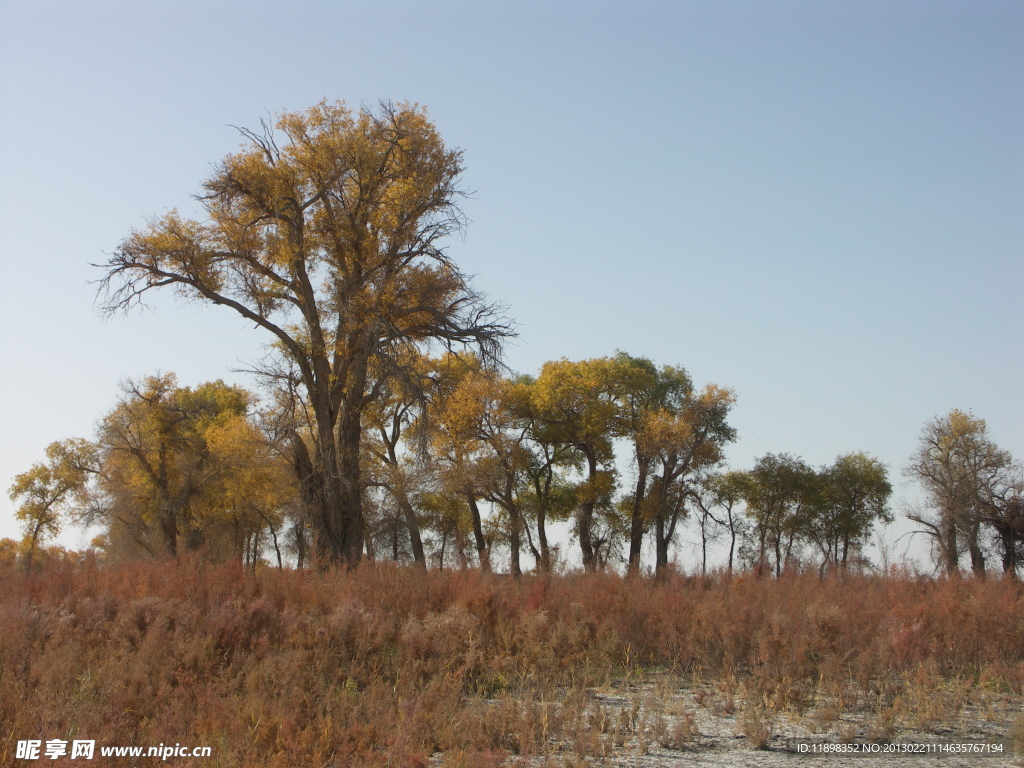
[
  {"x": 780, "y": 497},
  {"x": 683, "y": 443},
  {"x": 332, "y": 243},
  {"x": 482, "y": 415},
  {"x": 643, "y": 390},
  {"x": 459, "y": 470},
  {"x": 576, "y": 403},
  {"x": 176, "y": 468},
  {"x": 447, "y": 517},
  {"x": 389, "y": 421},
  {"x": 1002, "y": 507},
  {"x": 547, "y": 495},
  {"x": 9, "y": 551},
  {"x": 853, "y": 495},
  {"x": 50, "y": 489},
  {"x": 957, "y": 464},
  {"x": 719, "y": 497}
]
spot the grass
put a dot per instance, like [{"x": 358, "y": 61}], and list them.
[{"x": 390, "y": 666}]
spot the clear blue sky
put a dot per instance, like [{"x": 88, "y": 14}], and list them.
[{"x": 820, "y": 204}]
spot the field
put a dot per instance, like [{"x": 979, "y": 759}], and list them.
[{"x": 392, "y": 666}]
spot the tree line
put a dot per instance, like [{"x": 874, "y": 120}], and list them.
[
  {"x": 459, "y": 464},
  {"x": 389, "y": 426}
]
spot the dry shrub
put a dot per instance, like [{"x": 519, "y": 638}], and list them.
[
  {"x": 757, "y": 724},
  {"x": 383, "y": 665},
  {"x": 676, "y": 731}
]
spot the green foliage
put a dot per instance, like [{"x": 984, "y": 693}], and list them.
[{"x": 854, "y": 496}]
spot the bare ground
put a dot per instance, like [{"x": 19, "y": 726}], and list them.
[{"x": 661, "y": 724}]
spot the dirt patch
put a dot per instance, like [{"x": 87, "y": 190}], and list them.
[{"x": 658, "y": 723}]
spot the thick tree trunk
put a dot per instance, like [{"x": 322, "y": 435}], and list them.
[
  {"x": 585, "y": 517},
  {"x": 515, "y": 544},
  {"x": 350, "y": 530},
  {"x": 478, "y": 534},
  {"x": 1008, "y": 540},
  {"x": 542, "y": 538},
  {"x": 636, "y": 521},
  {"x": 414, "y": 529},
  {"x": 661, "y": 545},
  {"x": 977, "y": 556},
  {"x": 664, "y": 524},
  {"x": 330, "y": 489},
  {"x": 168, "y": 521},
  {"x": 950, "y": 549}
]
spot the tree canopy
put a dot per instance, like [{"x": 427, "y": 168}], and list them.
[{"x": 327, "y": 231}]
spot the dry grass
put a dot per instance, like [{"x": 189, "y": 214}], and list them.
[{"x": 389, "y": 666}]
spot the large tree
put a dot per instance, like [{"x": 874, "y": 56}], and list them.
[
  {"x": 962, "y": 471},
  {"x": 328, "y": 234}
]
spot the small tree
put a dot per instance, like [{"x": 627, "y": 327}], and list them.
[
  {"x": 853, "y": 495},
  {"x": 50, "y": 489},
  {"x": 575, "y": 405},
  {"x": 683, "y": 443},
  {"x": 780, "y": 497},
  {"x": 1002, "y": 504},
  {"x": 719, "y": 498}
]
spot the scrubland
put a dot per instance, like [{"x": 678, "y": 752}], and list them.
[{"x": 385, "y": 665}]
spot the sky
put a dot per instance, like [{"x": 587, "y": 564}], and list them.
[{"x": 818, "y": 204}]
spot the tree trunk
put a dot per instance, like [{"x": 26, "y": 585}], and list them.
[
  {"x": 349, "y": 531},
  {"x": 977, "y": 556},
  {"x": 950, "y": 547},
  {"x": 704, "y": 547},
  {"x": 636, "y": 520},
  {"x": 585, "y": 517},
  {"x": 661, "y": 536},
  {"x": 732, "y": 540},
  {"x": 414, "y": 529},
  {"x": 515, "y": 544},
  {"x": 169, "y": 525},
  {"x": 478, "y": 534},
  {"x": 542, "y": 539}
]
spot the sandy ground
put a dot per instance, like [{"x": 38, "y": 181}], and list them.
[
  {"x": 661, "y": 724},
  {"x": 718, "y": 738}
]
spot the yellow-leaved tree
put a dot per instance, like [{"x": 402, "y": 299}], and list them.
[
  {"x": 49, "y": 490},
  {"x": 171, "y": 468},
  {"x": 327, "y": 233}
]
